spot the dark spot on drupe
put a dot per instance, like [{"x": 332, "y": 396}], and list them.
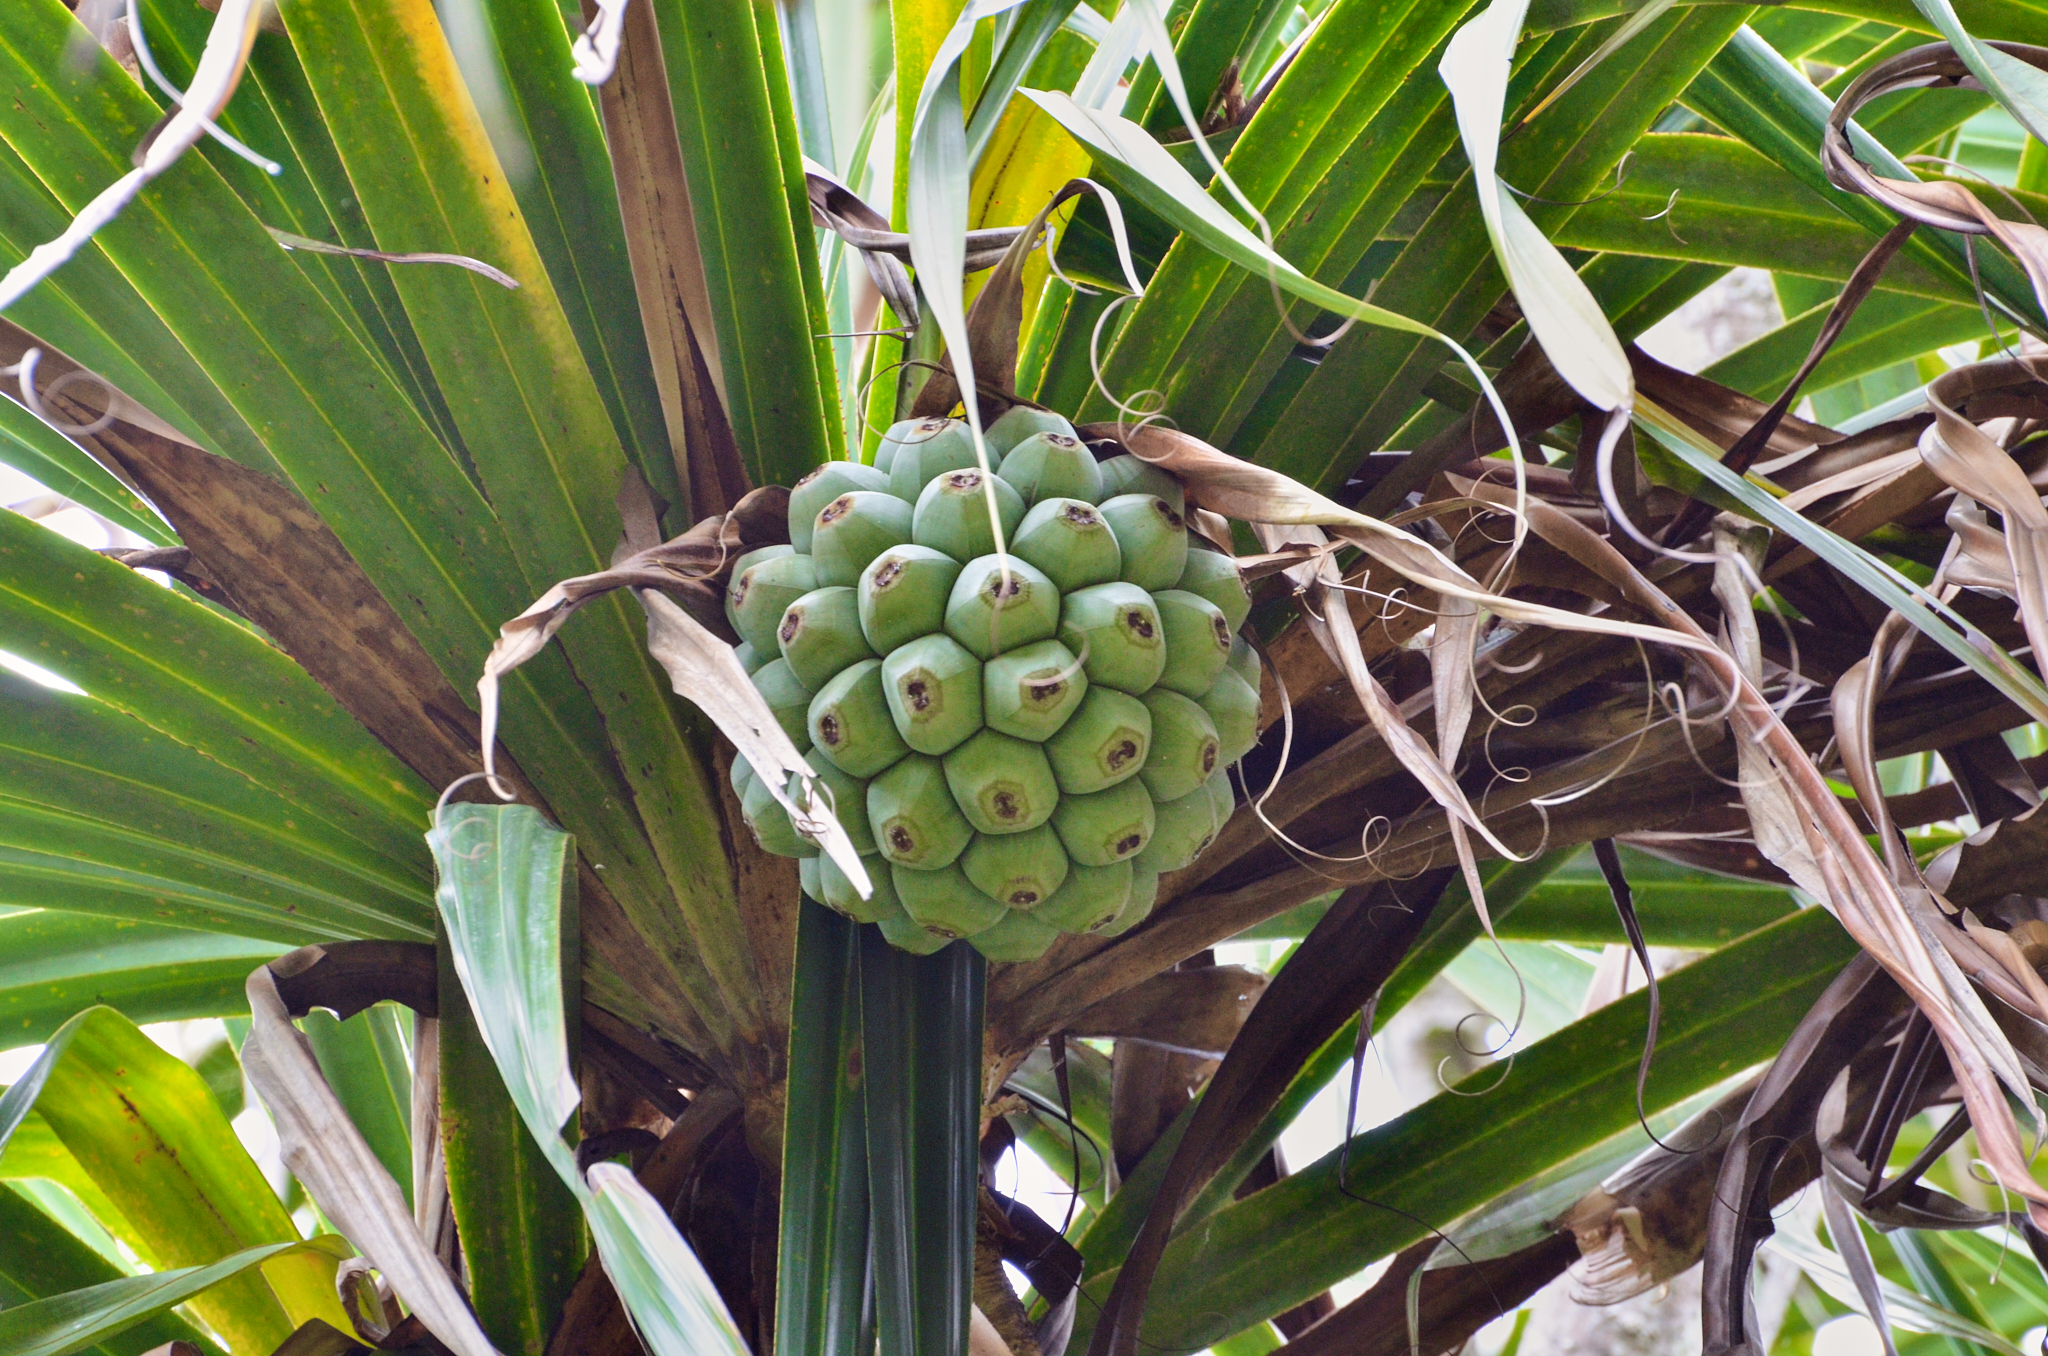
[
  {"x": 1122, "y": 752},
  {"x": 836, "y": 510},
  {"x": 828, "y": 729},
  {"x": 792, "y": 622},
  {"x": 1128, "y": 844},
  {"x": 919, "y": 694},
  {"x": 1138, "y": 624},
  {"x": 963, "y": 480},
  {"x": 1208, "y": 759},
  {"x": 888, "y": 574},
  {"x": 1006, "y": 805},
  {"x": 900, "y": 838}
]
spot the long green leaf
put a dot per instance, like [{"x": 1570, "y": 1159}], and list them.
[
  {"x": 504, "y": 882},
  {"x": 35, "y": 449},
  {"x": 822, "y": 1267},
  {"x": 364, "y": 1061},
  {"x": 147, "y": 1130},
  {"x": 1887, "y": 329},
  {"x": 54, "y": 964},
  {"x": 51, "y": 1177},
  {"x": 1273, "y": 1250},
  {"x": 39, "y": 1260}
]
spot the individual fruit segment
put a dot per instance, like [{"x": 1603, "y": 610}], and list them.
[
  {"x": 931, "y": 448},
  {"x": 945, "y": 902},
  {"x": 1144, "y": 894},
  {"x": 1053, "y": 466},
  {"x": 1017, "y": 870},
  {"x": 933, "y": 688},
  {"x": 761, "y": 593},
  {"x": 1001, "y": 783},
  {"x": 1152, "y": 537},
  {"x": 852, "y": 530},
  {"x": 1244, "y": 661},
  {"x": 1018, "y": 423},
  {"x": 1130, "y": 475},
  {"x": 1221, "y": 796},
  {"x": 849, "y": 802},
  {"x": 899, "y": 433},
  {"x": 1216, "y": 577},
  {"x": 1031, "y": 692},
  {"x": 1091, "y": 897},
  {"x": 820, "y": 635},
  {"x": 820, "y": 488},
  {"x": 789, "y": 701},
  {"x": 1115, "y": 630},
  {"x": 849, "y": 722},
  {"x": 750, "y": 658},
  {"x": 1182, "y": 829},
  {"x": 739, "y": 775},
  {"x": 1197, "y": 641},
  {"x": 1071, "y": 542},
  {"x": 903, "y": 594},
  {"x": 1184, "y": 746},
  {"x": 770, "y": 823},
  {"x": 1018, "y": 937},
  {"x": 1233, "y": 706},
  {"x": 1109, "y": 826},
  {"x": 952, "y": 514},
  {"x": 905, "y": 933},
  {"x": 837, "y": 892},
  {"x": 1000, "y": 603},
  {"x": 1103, "y": 744},
  {"x": 915, "y": 821},
  {"x": 811, "y": 878}
]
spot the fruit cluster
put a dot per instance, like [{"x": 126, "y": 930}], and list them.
[{"x": 1018, "y": 744}]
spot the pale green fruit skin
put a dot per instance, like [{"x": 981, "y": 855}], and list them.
[
  {"x": 1001, "y": 783},
  {"x": 1115, "y": 629},
  {"x": 1127, "y": 474},
  {"x": 902, "y": 931},
  {"x": 900, "y": 432},
  {"x": 770, "y": 823},
  {"x": 1029, "y": 611},
  {"x": 1071, "y": 542},
  {"x": 810, "y": 876},
  {"x": 1017, "y": 870},
  {"x": 820, "y": 635},
  {"x": 740, "y": 567},
  {"x": 1053, "y": 466},
  {"x": 838, "y": 892},
  {"x": 750, "y": 658},
  {"x": 1152, "y": 536},
  {"x": 916, "y": 823},
  {"x": 1244, "y": 662},
  {"x": 1107, "y": 827},
  {"x": 1233, "y": 706},
  {"x": 1197, "y": 641},
  {"x": 933, "y": 688},
  {"x": 1184, "y": 746},
  {"x": 952, "y": 514},
  {"x": 1018, "y": 937},
  {"x": 821, "y": 487},
  {"x": 1091, "y": 897},
  {"x": 946, "y": 902},
  {"x": 740, "y": 774},
  {"x": 1033, "y": 691},
  {"x": 1018, "y": 423},
  {"x": 849, "y": 722},
  {"x": 789, "y": 701},
  {"x": 1221, "y": 796},
  {"x": 948, "y": 446},
  {"x": 903, "y": 594},
  {"x": 1216, "y": 577},
  {"x": 852, "y": 530},
  {"x": 1144, "y": 894},
  {"x": 1104, "y": 743},
  {"x": 762, "y": 592},
  {"x": 849, "y": 802},
  {"x": 1184, "y": 828}
]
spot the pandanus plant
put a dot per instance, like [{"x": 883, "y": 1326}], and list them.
[{"x": 1205, "y": 504}]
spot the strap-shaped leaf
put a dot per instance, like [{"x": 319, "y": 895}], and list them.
[{"x": 53, "y": 965}]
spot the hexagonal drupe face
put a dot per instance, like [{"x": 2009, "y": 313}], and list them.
[
  {"x": 1184, "y": 750},
  {"x": 903, "y": 594},
  {"x": 1053, "y": 466},
  {"x": 1033, "y": 691},
  {"x": 1018, "y": 937},
  {"x": 1216, "y": 577},
  {"x": 1182, "y": 828},
  {"x": 952, "y": 514},
  {"x": 1130, "y": 475},
  {"x": 1152, "y": 537},
  {"x": 945, "y": 902},
  {"x": 1115, "y": 630},
  {"x": 820, "y": 635},
  {"x": 1107, "y": 827},
  {"x": 930, "y": 448},
  {"x": 1071, "y": 542},
  {"x": 852, "y": 530},
  {"x": 1091, "y": 897},
  {"x": 916, "y": 823},
  {"x": 810, "y": 495},
  {"x": 1105, "y": 743},
  {"x": 1001, "y": 783},
  {"x": 999, "y": 603},
  {"x": 1018, "y": 423},
  {"x": 849, "y": 722},
  {"x": 761, "y": 592},
  {"x": 1018, "y": 870},
  {"x": 1197, "y": 641},
  {"x": 933, "y": 688}
]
